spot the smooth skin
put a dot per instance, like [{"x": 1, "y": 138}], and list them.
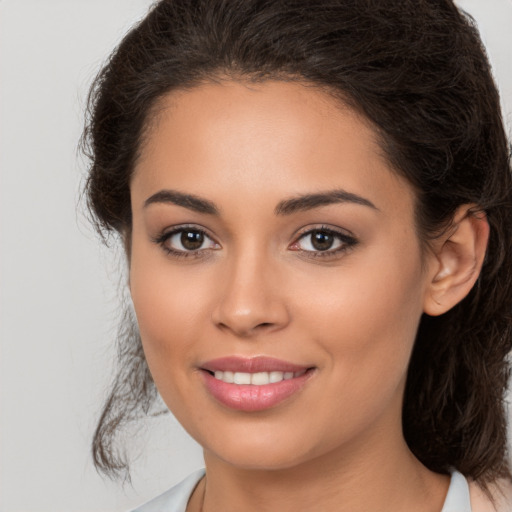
[{"x": 257, "y": 285}]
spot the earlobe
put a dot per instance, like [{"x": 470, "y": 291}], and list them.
[{"x": 457, "y": 260}]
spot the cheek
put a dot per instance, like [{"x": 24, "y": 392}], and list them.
[
  {"x": 366, "y": 316},
  {"x": 169, "y": 309}
]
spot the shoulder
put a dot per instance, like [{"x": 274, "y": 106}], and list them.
[
  {"x": 501, "y": 492},
  {"x": 176, "y": 498}
]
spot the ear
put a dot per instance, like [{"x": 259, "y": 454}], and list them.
[{"x": 456, "y": 260}]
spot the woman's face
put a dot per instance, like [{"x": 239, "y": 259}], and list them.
[{"x": 273, "y": 246}]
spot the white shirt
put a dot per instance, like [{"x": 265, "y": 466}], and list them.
[{"x": 176, "y": 498}]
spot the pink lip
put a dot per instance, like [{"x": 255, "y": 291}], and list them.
[
  {"x": 251, "y": 365},
  {"x": 247, "y": 397}
]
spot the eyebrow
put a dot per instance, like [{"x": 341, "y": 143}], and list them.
[
  {"x": 189, "y": 201},
  {"x": 311, "y": 201},
  {"x": 286, "y": 207}
]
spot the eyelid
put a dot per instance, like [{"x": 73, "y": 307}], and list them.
[
  {"x": 342, "y": 232},
  {"x": 172, "y": 230},
  {"x": 347, "y": 239},
  {"x": 168, "y": 233}
]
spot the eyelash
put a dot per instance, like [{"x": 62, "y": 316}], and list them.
[
  {"x": 347, "y": 242},
  {"x": 164, "y": 237}
]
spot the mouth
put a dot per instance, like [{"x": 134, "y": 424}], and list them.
[
  {"x": 256, "y": 379},
  {"x": 254, "y": 384}
]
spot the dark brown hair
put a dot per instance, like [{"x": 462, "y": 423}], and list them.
[{"x": 416, "y": 69}]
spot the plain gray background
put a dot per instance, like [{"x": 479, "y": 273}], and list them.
[{"x": 58, "y": 286}]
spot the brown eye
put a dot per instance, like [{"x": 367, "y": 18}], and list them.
[
  {"x": 192, "y": 240},
  {"x": 322, "y": 240},
  {"x": 186, "y": 240}
]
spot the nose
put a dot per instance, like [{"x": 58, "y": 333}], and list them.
[{"x": 252, "y": 298}]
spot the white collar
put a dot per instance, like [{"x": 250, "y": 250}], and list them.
[
  {"x": 457, "y": 499},
  {"x": 176, "y": 498}
]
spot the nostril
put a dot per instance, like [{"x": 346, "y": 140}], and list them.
[{"x": 247, "y": 319}]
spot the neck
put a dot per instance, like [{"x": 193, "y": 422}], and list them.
[{"x": 371, "y": 475}]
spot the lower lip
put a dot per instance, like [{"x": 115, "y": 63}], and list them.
[{"x": 250, "y": 398}]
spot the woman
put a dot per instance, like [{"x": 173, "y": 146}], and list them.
[{"x": 315, "y": 203}]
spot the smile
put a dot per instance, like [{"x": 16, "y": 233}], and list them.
[
  {"x": 256, "y": 379},
  {"x": 253, "y": 384}
]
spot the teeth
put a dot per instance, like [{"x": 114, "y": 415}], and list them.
[
  {"x": 242, "y": 378},
  {"x": 275, "y": 377},
  {"x": 225, "y": 376},
  {"x": 260, "y": 378},
  {"x": 256, "y": 379}
]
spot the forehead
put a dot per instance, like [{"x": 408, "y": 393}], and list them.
[{"x": 271, "y": 139}]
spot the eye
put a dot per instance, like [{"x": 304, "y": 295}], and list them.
[
  {"x": 323, "y": 242},
  {"x": 185, "y": 241},
  {"x": 319, "y": 240}
]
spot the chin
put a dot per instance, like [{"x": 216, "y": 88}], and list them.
[
  {"x": 261, "y": 449},
  {"x": 258, "y": 459}
]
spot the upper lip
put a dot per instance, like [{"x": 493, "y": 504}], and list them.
[{"x": 251, "y": 365}]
